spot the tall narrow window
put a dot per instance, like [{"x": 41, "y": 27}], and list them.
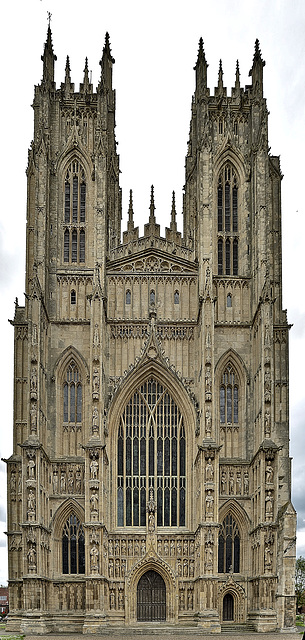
[
  {"x": 228, "y": 397},
  {"x": 176, "y": 297},
  {"x": 151, "y": 458},
  {"x": 73, "y": 547},
  {"x": 229, "y": 546},
  {"x": 227, "y": 221},
  {"x": 128, "y": 296},
  {"x": 72, "y": 398},
  {"x": 74, "y": 213}
]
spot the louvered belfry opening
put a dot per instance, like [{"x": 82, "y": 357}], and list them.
[{"x": 151, "y": 598}]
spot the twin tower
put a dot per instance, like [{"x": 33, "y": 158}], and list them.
[{"x": 150, "y": 474}]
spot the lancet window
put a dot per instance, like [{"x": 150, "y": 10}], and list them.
[
  {"x": 229, "y": 397},
  {"x": 229, "y": 546},
  {"x": 151, "y": 458},
  {"x": 73, "y": 546},
  {"x": 227, "y": 221},
  {"x": 72, "y": 398},
  {"x": 74, "y": 213}
]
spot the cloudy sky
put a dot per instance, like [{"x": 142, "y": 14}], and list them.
[{"x": 155, "y": 46}]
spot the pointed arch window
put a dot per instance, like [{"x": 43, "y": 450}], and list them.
[
  {"x": 151, "y": 456},
  {"x": 229, "y": 546},
  {"x": 74, "y": 213},
  {"x": 227, "y": 221},
  {"x": 229, "y": 397},
  {"x": 73, "y": 547},
  {"x": 72, "y": 399}
]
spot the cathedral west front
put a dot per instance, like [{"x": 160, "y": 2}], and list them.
[{"x": 150, "y": 475}]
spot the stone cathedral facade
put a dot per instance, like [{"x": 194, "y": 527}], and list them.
[{"x": 150, "y": 475}]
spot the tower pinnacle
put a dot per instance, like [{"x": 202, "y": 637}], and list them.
[
  {"x": 256, "y": 71},
  {"x": 48, "y": 58},
  {"x": 201, "y": 68}
]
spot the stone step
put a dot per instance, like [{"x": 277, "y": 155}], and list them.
[{"x": 233, "y": 627}]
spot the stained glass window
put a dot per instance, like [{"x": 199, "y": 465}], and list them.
[
  {"x": 228, "y": 396},
  {"x": 227, "y": 221},
  {"x": 74, "y": 213},
  {"x": 151, "y": 454},
  {"x": 72, "y": 398},
  {"x": 73, "y": 546},
  {"x": 229, "y": 546}
]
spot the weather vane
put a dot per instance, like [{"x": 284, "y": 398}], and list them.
[{"x": 49, "y": 17}]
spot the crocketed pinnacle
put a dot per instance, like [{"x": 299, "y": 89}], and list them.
[
  {"x": 67, "y": 71},
  {"x": 173, "y": 224},
  {"x": 130, "y": 224},
  {"x": 152, "y": 206}
]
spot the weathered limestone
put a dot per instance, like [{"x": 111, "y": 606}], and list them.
[{"x": 150, "y": 475}]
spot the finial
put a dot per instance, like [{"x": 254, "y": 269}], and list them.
[
  {"x": 152, "y": 205},
  {"x": 49, "y": 18},
  {"x": 130, "y": 212},
  {"x": 67, "y": 71},
  {"x": 107, "y": 48},
  {"x": 173, "y": 224},
  {"x": 201, "y": 67},
  {"x": 48, "y": 58},
  {"x": 237, "y": 76},
  {"x": 257, "y": 55}
]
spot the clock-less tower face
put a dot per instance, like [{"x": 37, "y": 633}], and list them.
[{"x": 151, "y": 377}]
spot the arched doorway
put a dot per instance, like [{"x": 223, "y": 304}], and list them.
[
  {"x": 228, "y": 608},
  {"x": 151, "y": 598}
]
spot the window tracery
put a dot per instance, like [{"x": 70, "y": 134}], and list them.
[
  {"x": 229, "y": 397},
  {"x": 227, "y": 221},
  {"x": 74, "y": 213},
  {"x": 229, "y": 546},
  {"x": 151, "y": 455},
  {"x": 73, "y": 546},
  {"x": 72, "y": 398}
]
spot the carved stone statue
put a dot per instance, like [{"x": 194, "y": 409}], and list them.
[
  {"x": 209, "y": 504},
  {"x": 94, "y": 556},
  {"x": 95, "y": 421},
  {"x": 93, "y": 469},
  {"x": 209, "y": 471}
]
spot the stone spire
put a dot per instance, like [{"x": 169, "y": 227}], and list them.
[
  {"x": 201, "y": 69},
  {"x": 256, "y": 71},
  {"x": 106, "y": 64},
  {"x": 48, "y": 58}
]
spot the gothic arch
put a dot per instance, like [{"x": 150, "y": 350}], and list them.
[
  {"x": 151, "y": 561},
  {"x": 171, "y": 386},
  {"x": 231, "y": 587},
  {"x": 63, "y": 360},
  {"x": 234, "y": 157},
  {"x": 241, "y": 517},
  {"x": 68, "y": 155},
  {"x": 65, "y": 510},
  {"x": 67, "y": 438},
  {"x": 231, "y": 435},
  {"x": 163, "y": 375}
]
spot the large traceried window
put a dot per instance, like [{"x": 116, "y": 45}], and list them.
[
  {"x": 227, "y": 221},
  {"x": 228, "y": 397},
  {"x": 151, "y": 458},
  {"x": 72, "y": 398},
  {"x": 74, "y": 213},
  {"x": 229, "y": 546},
  {"x": 73, "y": 546}
]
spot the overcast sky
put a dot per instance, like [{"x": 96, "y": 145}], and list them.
[{"x": 155, "y": 46}]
